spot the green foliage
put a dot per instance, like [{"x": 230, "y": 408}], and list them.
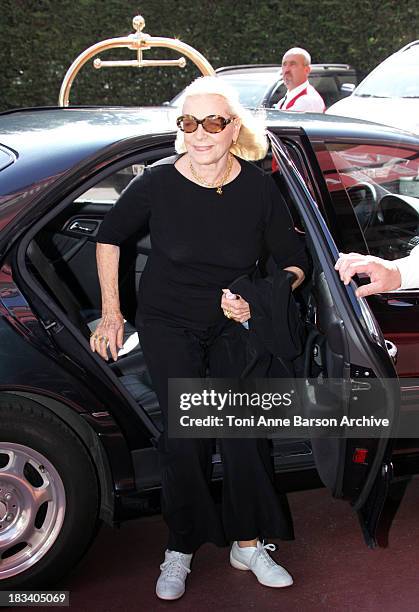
[{"x": 40, "y": 39}]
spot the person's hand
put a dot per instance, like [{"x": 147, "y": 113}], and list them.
[
  {"x": 384, "y": 275},
  {"x": 109, "y": 333},
  {"x": 235, "y": 307}
]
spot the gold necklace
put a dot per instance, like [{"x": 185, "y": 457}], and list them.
[{"x": 219, "y": 186}]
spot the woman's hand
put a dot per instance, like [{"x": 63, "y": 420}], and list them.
[
  {"x": 235, "y": 307},
  {"x": 109, "y": 333}
]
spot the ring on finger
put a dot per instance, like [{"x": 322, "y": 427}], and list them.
[{"x": 228, "y": 314}]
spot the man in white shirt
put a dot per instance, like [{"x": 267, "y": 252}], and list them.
[
  {"x": 384, "y": 275},
  {"x": 300, "y": 96}
]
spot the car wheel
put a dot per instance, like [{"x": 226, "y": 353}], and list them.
[{"x": 49, "y": 496}]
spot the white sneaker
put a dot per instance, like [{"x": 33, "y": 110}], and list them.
[
  {"x": 174, "y": 569},
  {"x": 257, "y": 559}
]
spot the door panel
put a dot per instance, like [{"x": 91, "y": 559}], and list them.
[
  {"x": 378, "y": 182},
  {"x": 353, "y": 344}
]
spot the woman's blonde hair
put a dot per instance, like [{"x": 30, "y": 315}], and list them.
[{"x": 252, "y": 143}]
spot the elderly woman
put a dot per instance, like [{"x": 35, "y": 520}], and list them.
[{"x": 211, "y": 214}]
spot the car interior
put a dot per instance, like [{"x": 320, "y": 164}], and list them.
[
  {"x": 381, "y": 184},
  {"x": 61, "y": 258}
]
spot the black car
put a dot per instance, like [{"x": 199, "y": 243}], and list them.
[
  {"x": 78, "y": 434},
  {"x": 261, "y": 85}
]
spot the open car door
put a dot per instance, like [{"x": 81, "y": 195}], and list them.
[{"x": 346, "y": 344}]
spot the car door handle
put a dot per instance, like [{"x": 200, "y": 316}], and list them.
[
  {"x": 358, "y": 385},
  {"x": 84, "y": 226}
]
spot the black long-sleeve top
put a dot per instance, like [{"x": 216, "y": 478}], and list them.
[{"x": 201, "y": 241}]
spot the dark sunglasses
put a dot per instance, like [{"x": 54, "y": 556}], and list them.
[{"x": 212, "y": 124}]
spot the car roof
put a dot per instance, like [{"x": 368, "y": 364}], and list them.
[
  {"x": 409, "y": 47},
  {"x": 51, "y": 141},
  {"x": 81, "y": 128},
  {"x": 246, "y": 68},
  {"x": 319, "y": 126},
  {"x": 85, "y": 128}
]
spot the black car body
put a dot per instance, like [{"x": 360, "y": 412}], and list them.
[
  {"x": 78, "y": 434},
  {"x": 261, "y": 85}
]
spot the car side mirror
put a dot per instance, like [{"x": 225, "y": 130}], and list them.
[{"x": 347, "y": 88}]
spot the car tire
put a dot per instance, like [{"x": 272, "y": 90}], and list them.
[{"x": 49, "y": 496}]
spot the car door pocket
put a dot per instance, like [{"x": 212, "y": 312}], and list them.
[{"x": 83, "y": 227}]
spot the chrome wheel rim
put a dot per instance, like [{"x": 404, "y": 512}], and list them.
[{"x": 32, "y": 507}]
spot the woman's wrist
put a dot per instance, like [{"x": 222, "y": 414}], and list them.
[{"x": 111, "y": 313}]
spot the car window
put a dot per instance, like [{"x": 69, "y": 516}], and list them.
[
  {"x": 382, "y": 183},
  {"x": 327, "y": 88},
  {"x": 396, "y": 77},
  {"x": 251, "y": 87},
  {"x": 108, "y": 190},
  {"x": 277, "y": 94}
]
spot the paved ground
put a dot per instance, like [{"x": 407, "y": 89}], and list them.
[{"x": 332, "y": 568}]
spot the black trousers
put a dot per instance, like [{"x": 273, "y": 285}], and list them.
[{"x": 251, "y": 506}]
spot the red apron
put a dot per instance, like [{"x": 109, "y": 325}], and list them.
[{"x": 291, "y": 102}]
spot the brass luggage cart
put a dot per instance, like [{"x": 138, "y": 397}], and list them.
[{"x": 139, "y": 41}]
